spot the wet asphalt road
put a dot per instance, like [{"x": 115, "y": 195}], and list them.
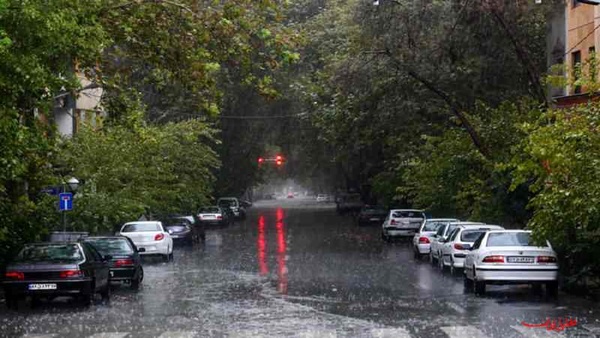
[{"x": 296, "y": 269}]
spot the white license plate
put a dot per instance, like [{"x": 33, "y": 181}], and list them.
[
  {"x": 520, "y": 259},
  {"x": 209, "y": 217},
  {"x": 42, "y": 286}
]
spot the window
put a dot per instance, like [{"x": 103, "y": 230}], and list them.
[
  {"x": 576, "y": 63},
  {"x": 477, "y": 243},
  {"x": 440, "y": 231},
  {"x": 451, "y": 227},
  {"x": 135, "y": 227},
  {"x": 112, "y": 246},
  {"x": 431, "y": 226},
  {"x": 453, "y": 235},
  {"x": 509, "y": 239},
  {"x": 50, "y": 253},
  {"x": 471, "y": 235}
]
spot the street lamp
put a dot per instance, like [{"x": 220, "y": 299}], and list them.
[{"x": 73, "y": 184}]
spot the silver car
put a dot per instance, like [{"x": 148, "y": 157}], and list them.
[
  {"x": 402, "y": 223},
  {"x": 510, "y": 257},
  {"x": 422, "y": 239}
]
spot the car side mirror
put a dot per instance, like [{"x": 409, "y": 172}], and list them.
[
  {"x": 170, "y": 231},
  {"x": 141, "y": 250}
]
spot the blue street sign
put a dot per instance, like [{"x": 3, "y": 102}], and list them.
[
  {"x": 51, "y": 190},
  {"x": 65, "y": 200}
]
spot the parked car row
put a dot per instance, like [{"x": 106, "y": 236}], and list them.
[
  {"x": 487, "y": 254},
  {"x": 80, "y": 266},
  {"x": 484, "y": 253}
]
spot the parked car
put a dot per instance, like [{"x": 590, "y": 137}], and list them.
[
  {"x": 215, "y": 216},
  {"x": 422, "y": 239},
  {"x": 402, "y": 223},
  {"x": 67, "y": 236},
  {"x": 182, "y": 230},
  {"x": 197, "y": 226},
  {"x": 510, "y": 257},
  {"x": 151, "y": 236},
  {"x": 290, "y": 195},
  {"x": 125, "y": 264},
  {"x": 234, "y": 204},
  {"x": 442, "y": 233},
  {"x": 460, "y": 241},
  {"x": 49, "y": 270},
  {"x": 348, "y": 203},
  {"x": 371, "y": 215},
  {"x": 322, "y": 198}
]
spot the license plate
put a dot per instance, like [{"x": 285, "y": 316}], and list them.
[
  {"x": 42, "y": 286},
  {"x": 520, "y": 259},
  {"x": 209, "y": 217}
]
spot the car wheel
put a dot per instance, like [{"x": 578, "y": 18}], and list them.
[
  {"x": 12, "y": 303},
  {"x": 166, "y": 257},
  {"x": 431, "y": 261},
  {"x": 170, "y": 257},
  {"x": 452, "y": 268},
  {"x": 467, "y": 283},
  {"x": 552, "y": 289},
  {"x": 86, "y": 299},
  {"x": 105, "y": 294},
  {"x": 135, "y": 283},
  {"x": 441, "y": 262},
  {"x": 479, "y": 287},
  {"x": 416, "y": 254}
]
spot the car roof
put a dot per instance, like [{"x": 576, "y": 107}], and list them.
[
  {"x": 510, "y": 231},
  {"x": 414, "y": 210},
  {"x": 142, "y": 222},
  {"x": 451, "y": 220},
  {"x": 478, "y": 226},
  {"x": 53, "y": 243},
  {"x": 463, "y": 223},
  {"x": 228, "y": 198}
]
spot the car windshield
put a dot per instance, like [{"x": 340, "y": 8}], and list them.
[
  {"x": 432, "y": 225},
  {"x": 112, "y": 246},
  {"x": 408, "y": 214},
  {"x": 227, "y": 203},
  {"x": 510, "y": 239},
  {"x": 210, "y": 210},
  {"x": 50, "y": 253},
  {"x": 176, "y": 222},
  {"x": 470, "y": 235},
  {"x": 138, "y": 227},
  {"x": 374, "y": 211}
]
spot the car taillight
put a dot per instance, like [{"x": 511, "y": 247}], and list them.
[
  {"x": 494, "y": 259},
  {"x": 71, "y": 274},
  {"x": 219, "y": 217},
  {"x": 123, "y": 262},
  {"x": 14, "y": 275},
  {"x": 458, "y": 246},
  {"x": 394, "y": 222},
  {"x": 159, "y": 237},
  {"x": 546, "y": 259},
  {"x": 424, "y": 240}
]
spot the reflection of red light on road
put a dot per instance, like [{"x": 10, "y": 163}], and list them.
[
  {"x": 282, "y": 273},
  {"x": 262, "y": 247}
]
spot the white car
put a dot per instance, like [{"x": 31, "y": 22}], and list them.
[
  {"x": 460, "y": 241},
  {"x": 509, "y": 257},
  {"x": 402, "y": 223},
  {"x": 422, "y": 239},
  {"x": 442, "y": 233},
  {"x": 151, "y": 236}
]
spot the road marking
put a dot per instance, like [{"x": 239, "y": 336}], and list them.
[
  {"x": 35, "y": 335},
  {"x": 390, "y": 333},
  {"x": 456, "y": 307},
  {"x": 538, "y": 332},
  {"x": 178, "y": 334},
  {"x": 593, "y": 328},
  {"x": 109, "y": 335},
  {"x": 463, "y": 331}
]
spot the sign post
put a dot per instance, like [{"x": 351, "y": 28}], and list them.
[{"x": 65, "y": 201}]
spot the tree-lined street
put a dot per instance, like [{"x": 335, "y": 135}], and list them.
[{"x": 296, "y": 268}]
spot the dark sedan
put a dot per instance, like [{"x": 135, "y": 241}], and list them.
[
  {"x": 126, "y": 264},
  {"x": 181, "y": 230},
  {"x": 372, "y": 215},
  {"x": 49, "y": 270}
]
